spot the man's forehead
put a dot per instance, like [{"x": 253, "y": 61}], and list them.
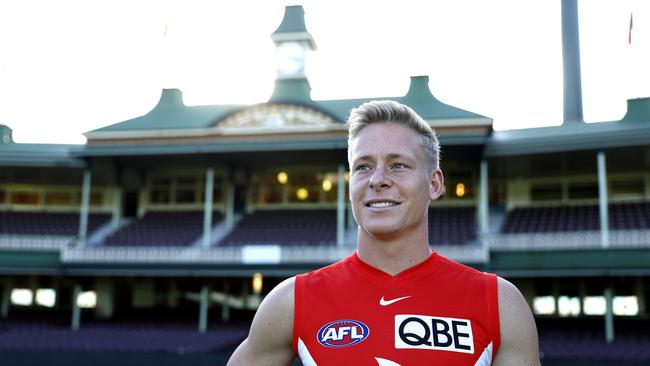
[
  {"x": 361, "y": 154},
  {"x": 381, "y": 151}
]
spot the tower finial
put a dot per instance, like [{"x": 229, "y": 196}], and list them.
[{"x": 293, "y": 42}]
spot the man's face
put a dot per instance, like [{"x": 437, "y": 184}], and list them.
[{"x": 391, "y": 180}]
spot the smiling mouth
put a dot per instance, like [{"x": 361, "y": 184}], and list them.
[{"x": 380, "y": 204}]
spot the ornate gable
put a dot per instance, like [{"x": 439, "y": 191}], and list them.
[{"x": 274, "y": 118}]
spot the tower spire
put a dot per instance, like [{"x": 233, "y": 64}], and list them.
[{"x": 293, "y": 42}]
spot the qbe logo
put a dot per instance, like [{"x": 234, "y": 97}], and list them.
[
  {"x": 435, "y": 333},
  {"x": 342, "y": 333}
]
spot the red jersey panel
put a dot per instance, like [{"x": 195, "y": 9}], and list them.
[{"x": 438, "y": 312}]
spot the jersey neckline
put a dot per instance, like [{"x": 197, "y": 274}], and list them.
[{"x": 375, "y": 274}]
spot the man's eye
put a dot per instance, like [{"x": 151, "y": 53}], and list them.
[
  {"x": 399, "y": 165},
  {"x": 361, "y": 168}
]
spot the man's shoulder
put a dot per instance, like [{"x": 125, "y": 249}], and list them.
[{"x": 281, "y": 297}]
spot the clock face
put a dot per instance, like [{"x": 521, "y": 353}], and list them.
[
  {"x": 291, "y": 58},
  {"x": 271, "y": 118}
]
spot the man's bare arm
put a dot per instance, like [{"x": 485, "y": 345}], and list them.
[
  {"x": 269, "y": 339},
  {"x": 519, "y": 343}
]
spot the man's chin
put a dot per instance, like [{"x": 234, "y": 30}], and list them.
[{"x": 382, "y": 232}]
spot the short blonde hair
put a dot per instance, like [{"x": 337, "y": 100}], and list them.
[{"x": 379, "y": 111}]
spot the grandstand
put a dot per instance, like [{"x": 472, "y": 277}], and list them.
[{"x": 157, "y": 240}]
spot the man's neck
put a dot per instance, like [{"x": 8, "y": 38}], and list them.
[{"x": 394, "y": 254}]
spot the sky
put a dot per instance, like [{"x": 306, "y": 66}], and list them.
[{"x": 72, "y": 66}]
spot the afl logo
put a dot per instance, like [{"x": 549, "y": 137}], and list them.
[{"x": 342, "y": 333}]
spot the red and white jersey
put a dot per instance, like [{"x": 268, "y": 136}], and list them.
[{"x": 438, "y": 312}]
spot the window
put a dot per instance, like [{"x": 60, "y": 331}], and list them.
[
  {"x": 22, "y": 296},
  {"x": 583, "y": 190},
  {"x": 632, "y": 187},
  {"x": 304, "y": 188},
  {"x": 267, "y": 189},
  {"x": 185, "y": 195},
  {"x": 330, "y": 187},
  {"x": 96, "y": 198},
  {"x": 544, "y": 305},
  {"x": 546, "y": 192},
  {"x": 568, "y": 306},
  {"x": 594, "y": 305},
  {"x": 25, "y": 198},
  {"x": 87, "y": 300},
  {"x": 160, "y": 191},
  {"x": 626, "y": 305},
  {"x": 46, "y": 297},
  {"x": 186, "y": 189},
  {"x": 58, "y": 198},
  {"x": 218, "y": 190}
]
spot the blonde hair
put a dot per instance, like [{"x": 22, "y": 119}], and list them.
[{"x": 388, "y": 111}]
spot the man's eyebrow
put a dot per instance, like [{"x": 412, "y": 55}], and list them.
[
  {"x": 396, "y": 156},
  {"x": 403, "y": 157},
  {"x": 390, "y": 156},
  {"x": 362, "y": 158}
]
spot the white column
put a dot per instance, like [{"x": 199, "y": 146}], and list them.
[
  {"x": 85, "y": 202},
  {"x": 609, "y": 316},
  {"x": 225, "y": 306},
  {"x": 230, "y": 202},
  {"x": 117, "y": 207},
  {"x": 207, "y": 207},
  {"x": 76, "y": 311},
  {"x": 340, "y": 207},
  {"x": 203, "y": 309},
  {"x": 602, "y": 200}
]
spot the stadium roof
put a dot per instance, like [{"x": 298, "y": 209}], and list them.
[
  {"x": 170, "y": 113},
  {"x": 38, "y": 155},
  {"x": 172, "y": 127},
  {"x": 632, "y": 130}
]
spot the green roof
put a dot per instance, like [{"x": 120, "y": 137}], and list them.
[
  {"x": 171, "y": 113},
  {"x": 632, "y": 130},
  {"x": 40, "y": 155},
  {"x": 418, "y": 97}
]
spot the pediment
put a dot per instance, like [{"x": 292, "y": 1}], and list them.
[{"x": 270, "y": 118}]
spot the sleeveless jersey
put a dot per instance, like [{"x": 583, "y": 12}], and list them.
[{"x": 438, "y": 312}]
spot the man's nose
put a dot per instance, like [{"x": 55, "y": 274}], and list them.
[{"x": 379, "y": 179}]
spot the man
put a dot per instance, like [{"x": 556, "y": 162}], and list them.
[{"x": 392, "y": 302}]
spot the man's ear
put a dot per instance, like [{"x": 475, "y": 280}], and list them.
[{"x": 437, "y": 184}]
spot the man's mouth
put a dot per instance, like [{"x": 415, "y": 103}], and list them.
[{"x": 380, "y": 204}]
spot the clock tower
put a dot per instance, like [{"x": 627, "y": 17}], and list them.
[{"x": 293, "y": 43}]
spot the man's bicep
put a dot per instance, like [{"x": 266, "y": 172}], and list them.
[
  {"x": 269, "y": 339},
  {"x": 519, "y": 343}
]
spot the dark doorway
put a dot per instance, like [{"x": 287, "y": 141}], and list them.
[
  {"x": 130, "y": 204},
  {"x": 240, "y": 198}
]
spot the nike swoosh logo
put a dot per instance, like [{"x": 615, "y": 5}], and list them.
[
  {"x": 385, "y": 362},
  {"x": 383, "y": 302}
]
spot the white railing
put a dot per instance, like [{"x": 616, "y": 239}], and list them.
[
  {"x": 150, "y": 255},
  {"x": 313, "y": 254},
  {"x": 35, "y": 242},
  {"x": 618, "y": 239},
  {"x": 238, "y": 255}
]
